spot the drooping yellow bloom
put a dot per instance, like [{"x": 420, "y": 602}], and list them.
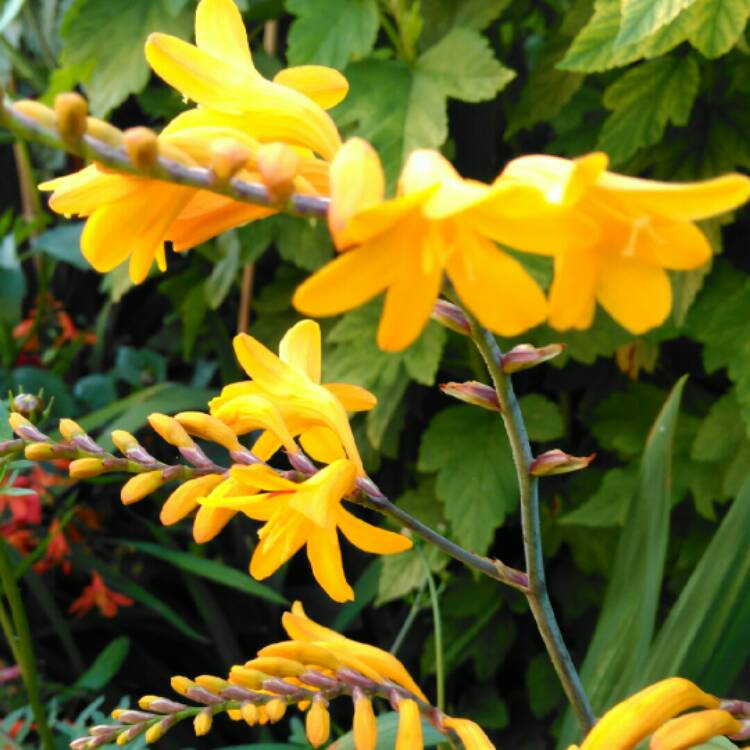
[
  {"x": 638, "y": 228},
  {"x": 318, "y": 723},
  {"x": 309, "y": 513},
  {"x": 291, "y": 381},
  {"x": 692, "y": 729},
  {"x": 405, "y": 245},
  {"x": 218, "y": 73}
]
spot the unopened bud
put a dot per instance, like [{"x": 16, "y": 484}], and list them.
[
  {"x": 278, "y": 164},
  {"x": 169, "y": 429},
  {"x": 71, "y": 110},
  {"x": 80, "y": 744},
  {"x": 249, "y": 713},
  {"x": 27, "y": 404},
  {"x": 227, "y": 158},
  {"x": 84, "y": 468},
  {"x": 180, "y": 685},
  {"x": 142, "y": 146},
  {"x": 154, "y": 733},
  {"x": 25, "y": 429},
  {"x": 365, "y": 726},
  {"x": 275, "y": 708},
  {"x": 40, "y": 452},
  {"x": 70, "y": 429},
  {"x": 203, "y": 722},
  {"x": 524, "y": 356},
  {"x": 160, "y": 705},
  {"x": 558, "y": 462},
  {"x": 276, "y": 665},
  {"x": 104, "y": 132},
  {"x": 209, "y": 428},
  {"x": 318, "y": 722},
  {"x": 211, "y": 683},
  {"x": 474, "y": 393},
  {"x": 124, "y": 441},
  {"x": 247, "y": 678},
  {"x": 140, "y": 486},
  {"x": 40, "y": 113},
  {"x": 262, "y": 715},
  {"x": 451, "y": 316}
]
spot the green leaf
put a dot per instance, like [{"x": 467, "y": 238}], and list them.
[
  {"x": 210, "y": 569},
  {"x": 721, "y": 431},
  {"x": 476, "y": 480},
  {"x": 544, "y": 689},
  {"x": 224, "y": 272},
  {"x": 112, "y": 34},
  {"x": 641, "y": 18},
  {"x": 387, "y": 730},
  {"x": 304, "y": 242},
  {"x": 313, "y": 38},
  {"x": 12, "y": 282},
  {"x": 542, "y": 416},
  {"x": 717, "y": 25},
  {"x": 440, "y": 16},
  {"x": 619, "y": 647},
  {"x": 704, "y": 637},
  {"x": 609, "y": 505},
  {"x": 106, "y": 665},
  {"x": 644, "y": 100},
  {"x": 64, "y": 243}
]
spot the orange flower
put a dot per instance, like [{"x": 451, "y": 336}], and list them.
[
  {"x": 97, "y": 594},
  {"x": 58, "y": 551}
]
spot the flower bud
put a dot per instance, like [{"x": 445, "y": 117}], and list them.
[
  {"x": 180, "y": 685},
  {"x": 558, "y": 462},
  {"x": 524, "y": 356},
  {"x": 249, "y": 713},
  {"x": 84, "y": 468},
  {"x": 154, "y": 733},
  {"x": 40, "y": 451},
  {"x": 365, "y": 725},
  {"x": 70, "y": 429},
  {"x": 160, "y": 705},
  {"x": 228, "y": 156},
  {"x": 474, "y": 393},
  {"x": 142, "y": 146},
  {"x": 25, "y": 429},
  {"x": 140, "y": 486},
  {"x": 409, "y": 726},
  {"x": 211, "y": 683},
  {"x": 170, "y": 430},
  {"x": 247, "y": 678},
  {"x": 318, "y": 722},
  {"x": 262, "y": 715},
  {"x": 40, "y": 113},
  {"x": 27, "y": 404},
  {"x": 71, "y": 110},
  {"x": 104, "y": 132},
  {"x": 203, "y": 722},
  {"x": 451, "y": 316},
  {"x": 209, "y": 428},
  {"x": 275, "y": 708},
  {"x": 124, "y": 441},
  {"x": 278, "y": 164},
  {"x": 276, "y": 665}
]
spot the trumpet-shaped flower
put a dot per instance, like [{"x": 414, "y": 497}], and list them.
[
  {"x": 133, "y": 216},
  {"x": 638, "y": 229},
  {"x": 405, "y": 245},
  {"x": 291, "y": 381},
  {"x": 308, "y": 513},
  {"x": 218, "y": 73}
]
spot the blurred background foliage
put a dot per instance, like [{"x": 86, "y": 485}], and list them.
[{"x": 648, "y": 561}]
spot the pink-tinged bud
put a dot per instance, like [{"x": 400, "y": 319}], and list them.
[
  {"x": 40, "y": 113},
  {"x": 142, "y": 146},
  {"x": 160, "y": 705},
  {"x": 179, "y": 684},
  {"x": 71, "y": 110},
  {"x": 124, "y": 441},
  {"x": 140, "y": 486},
  {"x": 24, "y": 429},
  {"x": 80, "y": 744},
  {"x": 278, "y": 165},
  {"x": 474, "y": 393},
  {"x": 40, "y": 452},
  {"x": 558, "y": 462},
  {"x": 451, "y": 316},
  {"x": 524, "y": 356},
  {"x": 70, "y": 429},
  {"x": 27, "y": 404},
  {"x": 170, "y": 430},
  {"x": 85, "y": 468},
  {"x": 227, "y": 158},
  {"x": 203, "y": 722}
]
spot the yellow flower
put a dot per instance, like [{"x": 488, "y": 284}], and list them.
[
  {"x": 638, "y": 228},
  {"x": 470, "y": 733},
  {"x": 318, "y": 723},
  {"x": 134, "y": 217},
  {"x": 628, "y": 723},
  {"x": 308, "y": 513},
  {"x": 405, "y": 244},
  {"x": 692, "y": 729},
  {"x": 291, "y": 381},
  {"x": 218, "y": 73}
]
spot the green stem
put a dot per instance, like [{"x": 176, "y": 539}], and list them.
[
  {"x": 438, "y": 627},
  {"x": 409, "y": 621},
  {"x": 528, "y": 485},
  {"x": 9, "y": 633},
  {"x": 25, "y": 650}
]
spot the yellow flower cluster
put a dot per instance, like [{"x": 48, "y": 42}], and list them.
[
  {"x": 286, "y": 403},
  {"x": 612, "y": 238},
  {"x": 312, "y": 668},
  {"x": 652, "y": 712}
]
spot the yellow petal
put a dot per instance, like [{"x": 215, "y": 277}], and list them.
[
  {"x": 350, "y": 280},
  {"x": 678, "y": 245},
  {"x": 300, "y": 348},
  {"x": 425, "y": 169},
  {"x": 262, "y": 478},
  {"x": 81, "y": 193},
  {"x": 409, "y": 735},
  {"x": 356, "y": 183},
  {"x": 322, "y": 444},
  {"x": 185, "y": 498},
  {"x": 268, "y": 558},
  {"x": 352, "y": 397},
  {"x": 265, "y": 368},
  {"x": 471, "y": 734},
  {"x": 324, "y": 554},
  {"x": 220, "y": 30},
  {"x": 364, "y": 726},
  {"x": 573, "y": 291},
  {"x": 637, "y": 295},
  {"x": 368, "y": 537},
  {"x": 318, "y": 723},
  {"x": 689, "y": 201},
  {"x": 209, "y": 522},
  {"x": 317, "y": 496},
  {"x": 495, "y": 287},
  {"x": 693, "y": 729},
  {"x": 248, "y": 413},
  {"x": 325, "y": 86}
]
